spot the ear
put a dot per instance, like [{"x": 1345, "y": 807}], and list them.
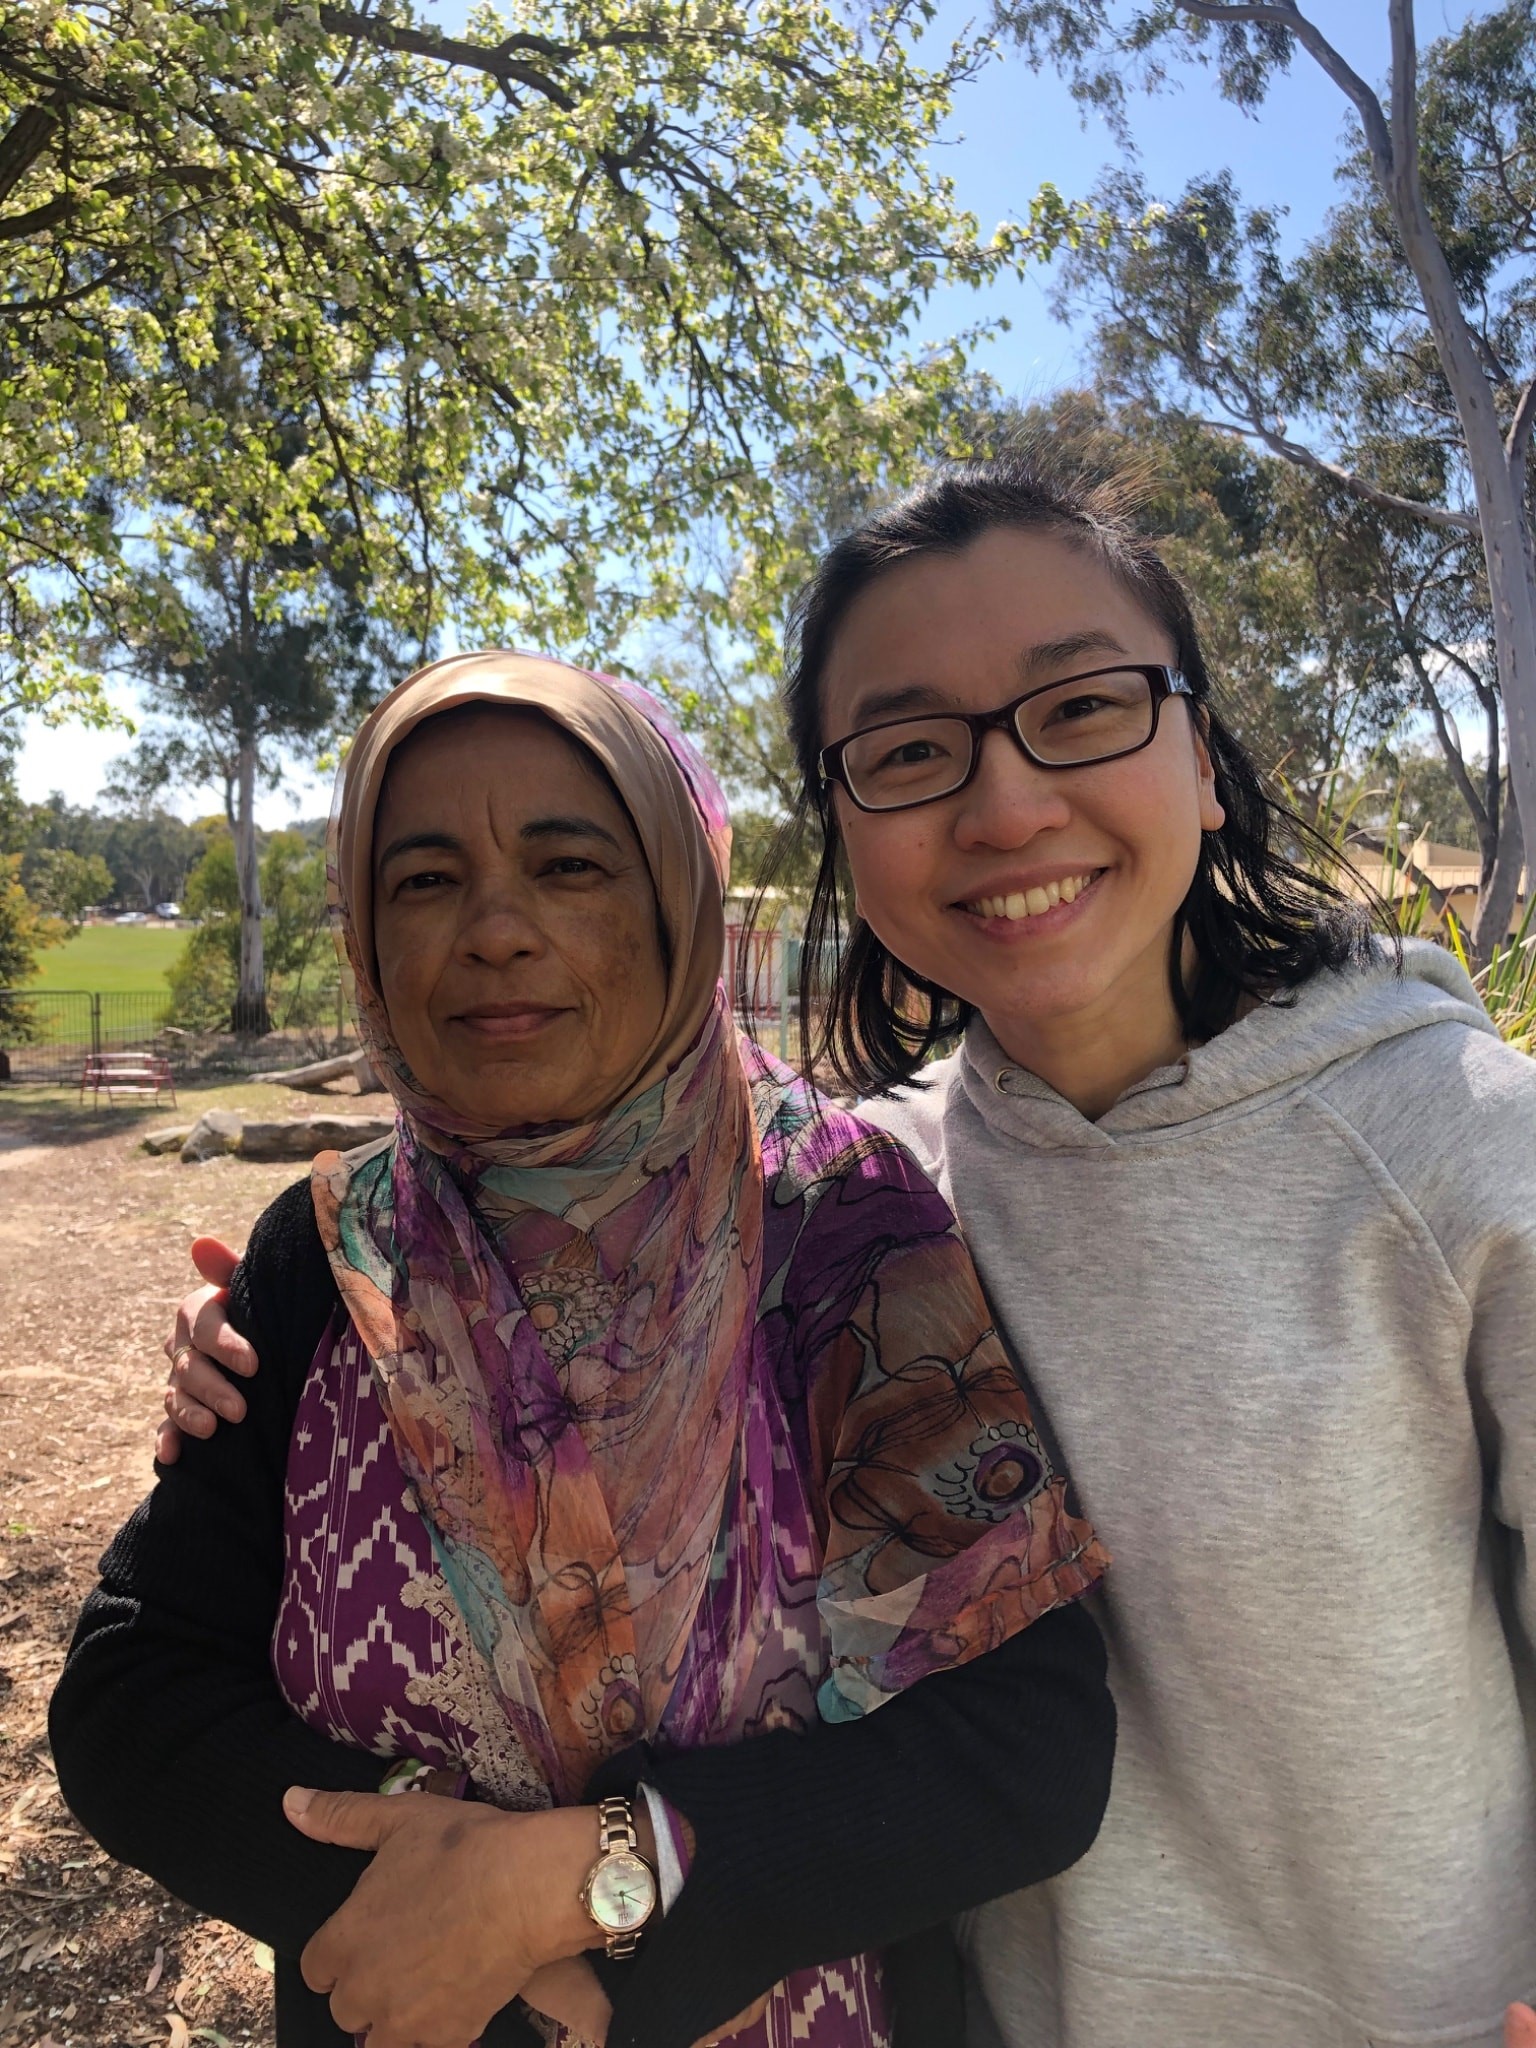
[{"x": 1212, "y": 811}]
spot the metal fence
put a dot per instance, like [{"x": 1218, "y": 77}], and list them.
[{"x": 46, "y": 1035}]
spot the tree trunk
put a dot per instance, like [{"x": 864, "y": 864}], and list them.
[
  {"x": 249, "y": 1016},
  {"x": 1496, "y": 470},
  {"x": 1392, "y": 139},
  {"x": 1500, "y": 887}
]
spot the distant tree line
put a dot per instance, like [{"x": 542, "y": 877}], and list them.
[{"x": 59, "y": 861}]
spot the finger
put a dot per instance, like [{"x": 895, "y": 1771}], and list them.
[
  {"x": 1520, "y": 2027},
  {"x": 352, "y": 2018},
  {"x": 212, "y": 1333},
  {"x": 167, "y": 1443},
  {"x": 190, "y": 1417},
  {"x": 317, "y": 1965},
  {"x": 187, "y": 1311},
  {"x": 353, "y": 1820},
  {"x": 216, "y": 1336},
  {"x": 198, "y": 1379},
  {"x": 749, "y": 2017},
  {"x": 214, "y": 1260},
  {"x": 568, "y": 1991}
]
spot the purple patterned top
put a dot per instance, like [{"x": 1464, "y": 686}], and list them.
[{"x": 370, "y": 1648}]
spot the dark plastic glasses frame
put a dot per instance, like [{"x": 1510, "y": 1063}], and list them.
[{"x": 1165, "y": 682}]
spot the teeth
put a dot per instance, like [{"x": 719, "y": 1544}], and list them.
[{"x": 1031, "y": 902}]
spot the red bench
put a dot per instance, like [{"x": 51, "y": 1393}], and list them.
[{"x": 127, "y": 1073}]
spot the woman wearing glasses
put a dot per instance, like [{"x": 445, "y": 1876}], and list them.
[{"x": 1255, "y": 1200}]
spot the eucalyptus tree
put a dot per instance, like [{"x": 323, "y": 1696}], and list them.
[
  {"x": 247, "y": 644},
  {"x": 244, "y": 663},
  {"x": 1394, "y": 359},
  {"x": 547, "y": 287}
]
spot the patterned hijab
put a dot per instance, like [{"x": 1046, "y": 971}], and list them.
[{"x": 560, "y": 1319}]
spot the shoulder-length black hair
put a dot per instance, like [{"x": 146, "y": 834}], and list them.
[{"x": 1261, "y": 923}]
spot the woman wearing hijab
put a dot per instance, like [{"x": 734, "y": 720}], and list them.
[{"x": 630, "y": 1428}]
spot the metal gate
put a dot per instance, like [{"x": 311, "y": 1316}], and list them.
[{"x": 47, "y": 1034}]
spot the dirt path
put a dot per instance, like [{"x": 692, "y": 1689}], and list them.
[{"x": 93, "y": 1257}]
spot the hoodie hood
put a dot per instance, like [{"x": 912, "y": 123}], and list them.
[{"x": 1277, "y": 1048}]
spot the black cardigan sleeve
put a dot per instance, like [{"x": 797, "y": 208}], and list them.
[
  {"x": 173, "y": 1743},
  {"x": 862, "y": 1834},
  {"x": 810, "y": 1847}
]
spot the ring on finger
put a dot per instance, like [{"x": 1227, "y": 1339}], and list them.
[{"x": 180, "y": 1356}]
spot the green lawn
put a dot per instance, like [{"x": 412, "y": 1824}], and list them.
[
  {"x": 125, "y": 964},
  {"x": 105, "y": 957}
]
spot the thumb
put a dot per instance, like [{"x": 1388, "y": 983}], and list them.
[
  {"x": 214, "y": 1260},
  {"x": 1520, "y": 2027},
  {"x": 353, "y": 1820}
]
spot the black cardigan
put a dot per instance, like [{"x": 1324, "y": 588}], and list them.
[{"x": 174, "y": 1747}]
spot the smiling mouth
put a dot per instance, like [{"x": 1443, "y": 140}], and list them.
[
  {"x": 1026, "y": 903},
  {"x": 512, "y": 1021}
]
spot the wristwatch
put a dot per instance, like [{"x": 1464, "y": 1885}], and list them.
[{"x": 619, "y": 1891}]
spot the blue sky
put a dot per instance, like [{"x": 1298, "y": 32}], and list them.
[{"x": 1013, "y": 129}]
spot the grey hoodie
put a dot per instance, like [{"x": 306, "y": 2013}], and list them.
[{"x": 1279, "y": 1305}]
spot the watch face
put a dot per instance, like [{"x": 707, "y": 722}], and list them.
[{"x": 622, "y": 1893}]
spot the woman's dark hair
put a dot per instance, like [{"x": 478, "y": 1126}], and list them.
[{"x": 1261, "y": 923}]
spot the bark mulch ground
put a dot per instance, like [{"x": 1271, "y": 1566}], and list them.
[{"x": 93, "y": 1258}]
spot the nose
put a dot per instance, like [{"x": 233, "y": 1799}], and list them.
[
  {"x": 498, "y": 926},
  {"x": 1009, "y": 800}
]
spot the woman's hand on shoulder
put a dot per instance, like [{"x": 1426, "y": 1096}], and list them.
[
  {"x": 1520, "y": 2027},
  {"x": 197, "y": 1394}
]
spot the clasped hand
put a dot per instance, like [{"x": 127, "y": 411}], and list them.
[
  {"x": 463, "y": 1908},
  {"x": 458, "y": 1910}
]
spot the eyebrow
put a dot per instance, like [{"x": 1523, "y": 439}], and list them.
[
  {"x": 418, "y": 842},
  {"x": 536, "y": 829},
  {"x": 1057, "y": 653},
  {"x": 569, "y": 828},
  {"x": 1034, "y": 661}
]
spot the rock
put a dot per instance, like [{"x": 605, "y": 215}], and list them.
[
  {"x": 216, "y": 1131},
  {"x": 170, "y": 1140},
  {"x": 302, "y": 1137}
]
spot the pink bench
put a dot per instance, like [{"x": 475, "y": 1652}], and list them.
[{"x": 126, "y": 1073}]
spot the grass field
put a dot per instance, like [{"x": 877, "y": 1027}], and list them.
[
  {"x": 106, "y": 957},
  {"x": 124, "y": 963}
]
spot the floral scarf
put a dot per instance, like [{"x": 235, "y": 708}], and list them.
[{"x": 562, "y": 1322}]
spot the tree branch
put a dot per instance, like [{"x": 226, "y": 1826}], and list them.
[
  {"x": 1450, "y": 747},
  {"x": 501, "y": 61},
  {"x": 24, "y": 142},
  {"x": 494, "y": 60},
  {"x": 1284, "y": 14},
  {"x": 1405, "y": 101},
  {"x": 1372, "y": 494},
  {"x": 1517, "y": 442}
]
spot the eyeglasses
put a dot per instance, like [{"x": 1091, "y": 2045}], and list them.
[{"x": 1100, "y": 716}]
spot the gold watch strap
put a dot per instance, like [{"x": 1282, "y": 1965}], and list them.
[
  {"x": 616, "y": 1831},
  {"x": 616, "y": 1826}
]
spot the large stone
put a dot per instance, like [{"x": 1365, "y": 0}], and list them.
[
  {"x": 216, "y": 1131},
  {"x": 302, "y": 1137},
  {"x": 170, "y": 1140}
]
